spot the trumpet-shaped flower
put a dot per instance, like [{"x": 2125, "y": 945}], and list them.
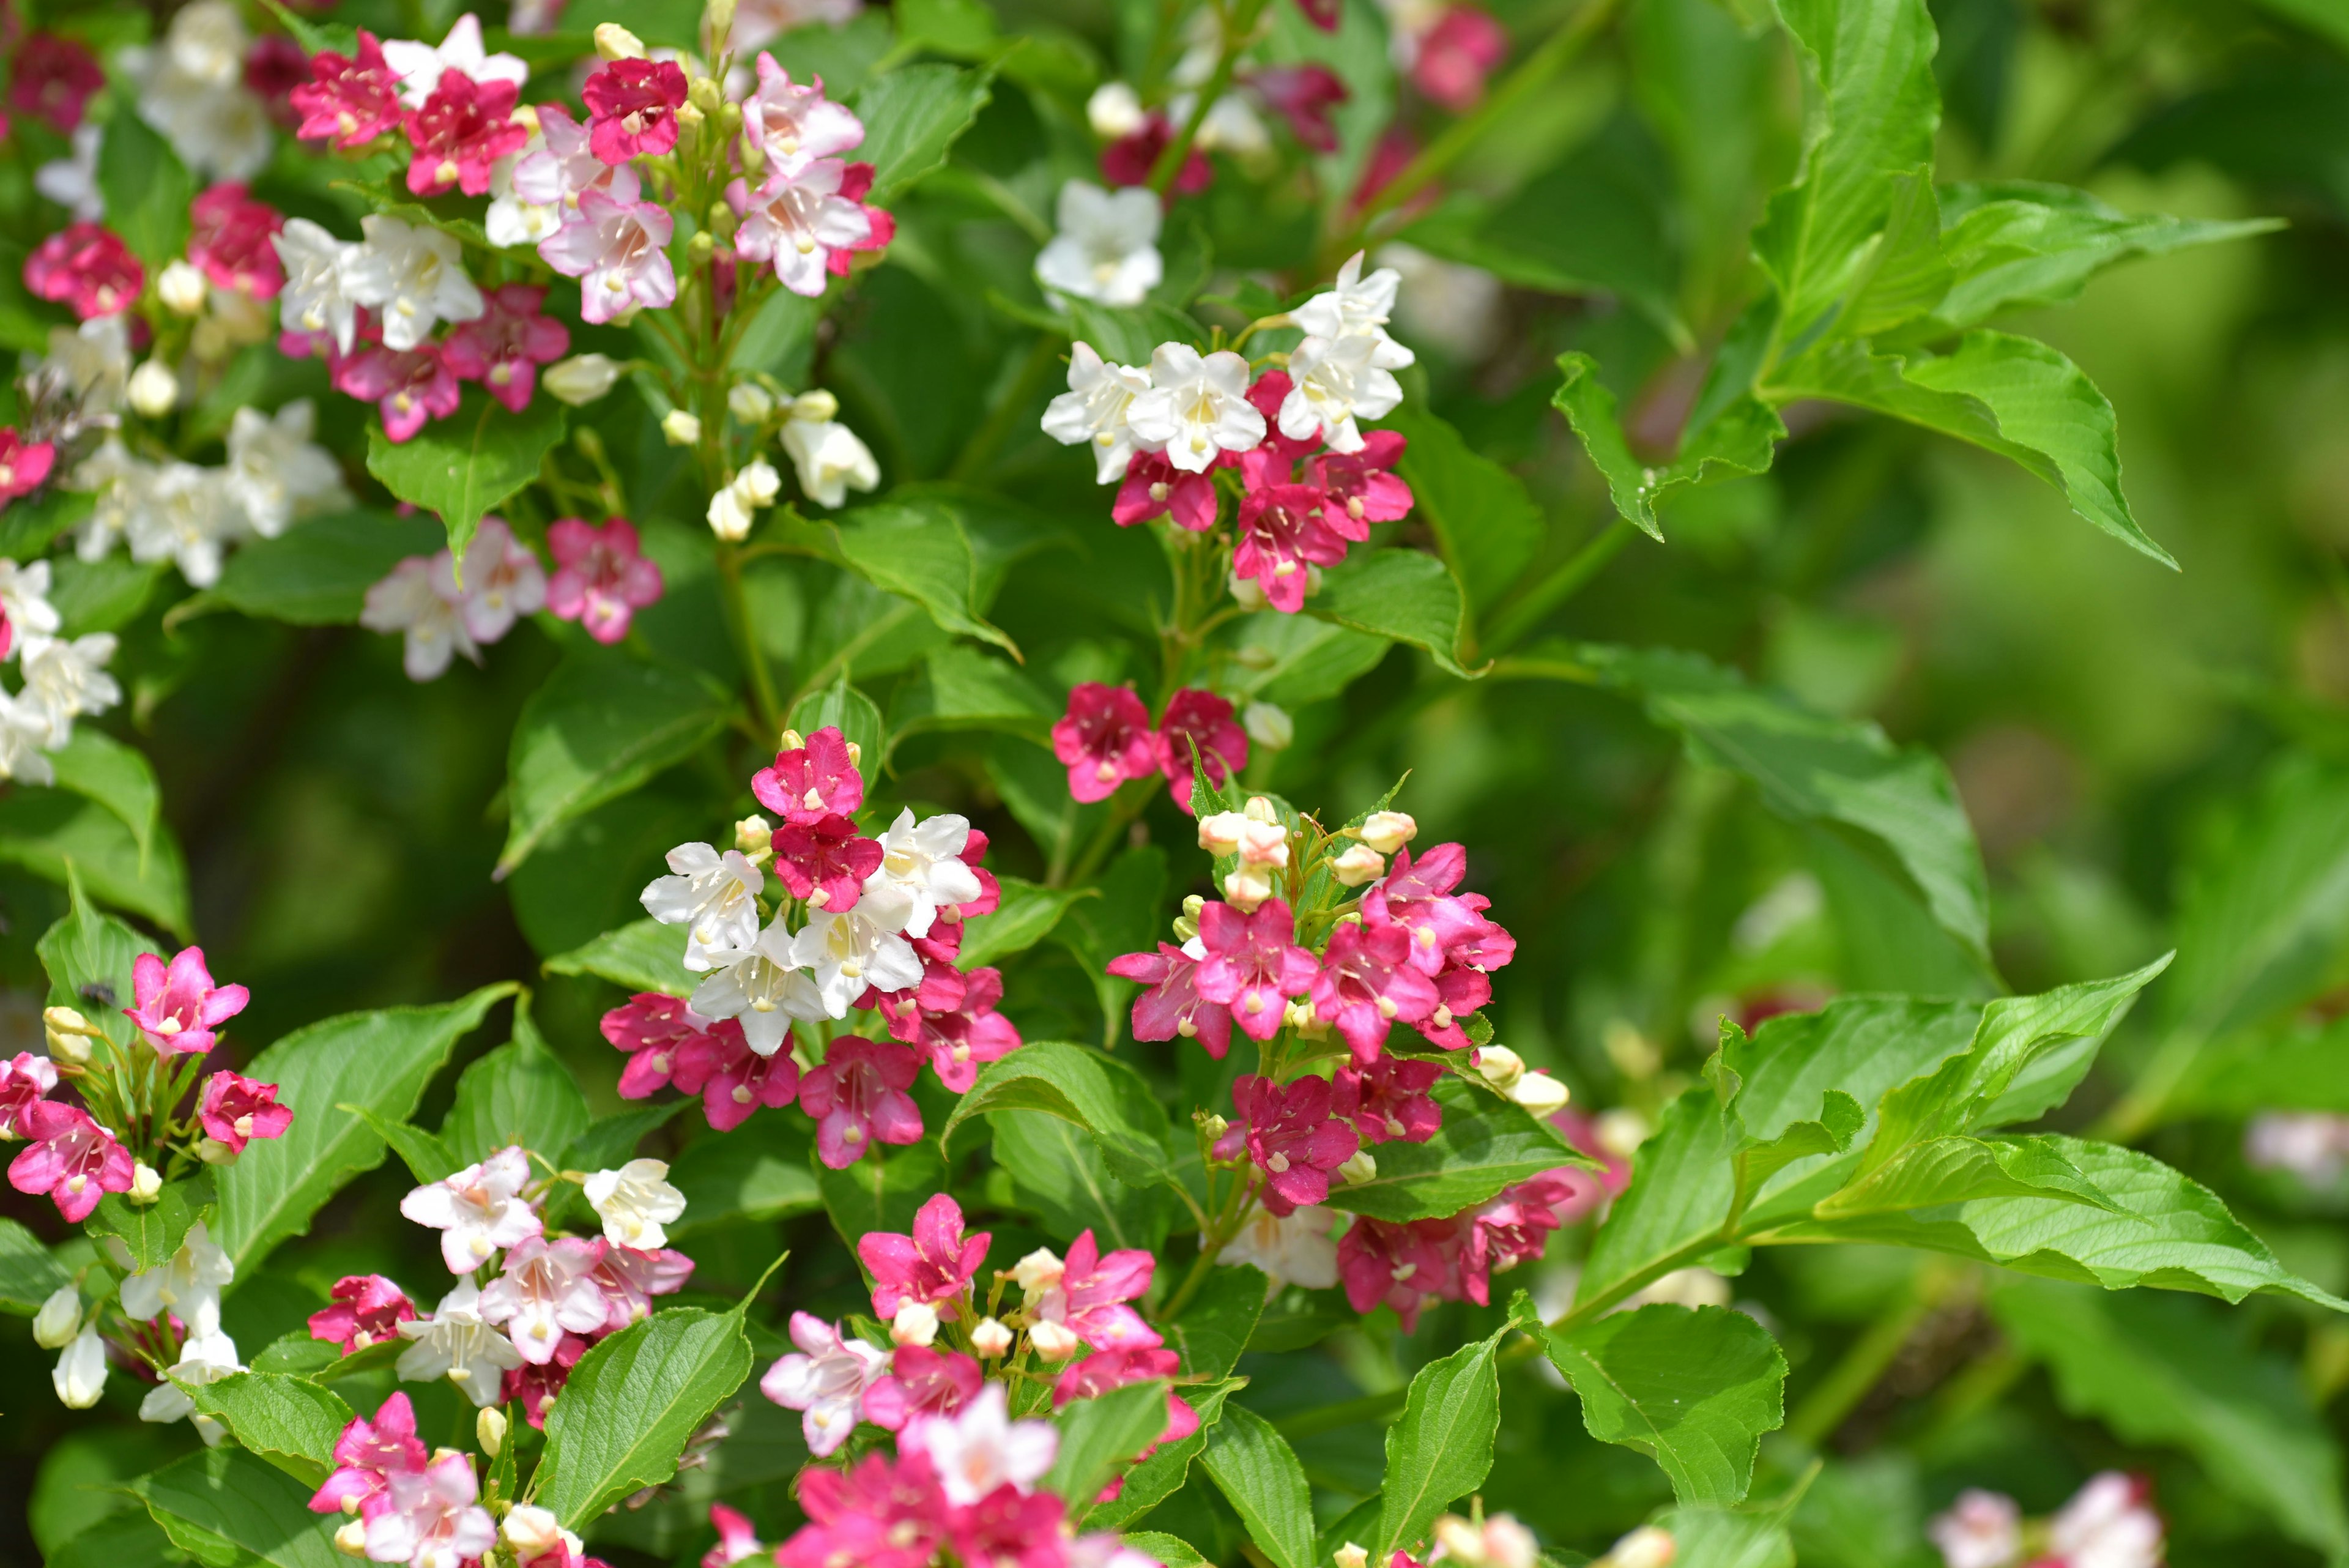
[
  {"x": 763, "y": 986},
  {"x": 1197, "y": 407},
  {"x": 601, "y": 576},
  {"x": 548, "y": 1288},
  {"x": 617, "y": 248},
  {"x": 234, "y": 1110},
  {"x": 457, "y": 1344},
  {"x": 71, "y": 1159},
  {"x": 420, "y": 67},
  {"x": 635, "y": 1203},
  {"x": 933, "y": 1266},
  {"x": 979, "y": 1447},
  {"x": 1097, "y": 412},
  {"x": 478, "y": 1210},
  {"x": 824, "y": 1380},
  {"x": 367, "y": 1310},
  {"x": 858, "y": 1098},
  {"x": 714, "y": 896},
  {"x": 412, "y": 278}
]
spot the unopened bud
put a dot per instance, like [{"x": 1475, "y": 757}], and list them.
[
  {"x": 1268, "y": 726},
  {"x": 1350, "y": 1556},
  {"x": 1211, "y": 1125},
  {"x": 1358, "y": 865},
  {"x": 1053, "y": 1341},
  {"x": 1646, "y": 1547},
  {"x": 146, "y": 1182},
  {"x": 580, "y": 380},
  {"x": 750, "y": 403},
  {"x": 1115, "y": 111},
  {"x": 490, "y": 1430},
  {"x": 351, "y": 1539},
  {"x": 757, "y": 484},
  {"x": 752, "y": 834},
  {"x": 698, "y": 249},
  {"x": 1359, "y": 1168},
  {"x": 1498, "y": 1066},
  {"x": 211, "y": 1151},
  {"x": 59, "y": 1319},
  {"x": 154, "y": 389},
  {"x": 615, "y": 42},
  {"x": 916, "y": 1323},
  {"x": 1303, "y": 1021},
  {"x": 705, "y": 95},
  {"x": 1264, "y": 844},
  {"x": 1247, "y": 593},
  {"x": 532, "y": 1530},
  {"x": 817, "y": 408},
  {"x": 717, "y": 25},
  {"x": 1246, "y": 886},
  {"x": 1260, "y": 809},
  {"x": 729, "y": 519},
  {"x": 1541, "y": 1094},
  {"x": 181, "y": 288},
  {"x": 680, "y": 428},
  {"x": 1219, "y": 832},
  {"x": 1037, "y": 1271},
  {"x": 1387, "y": 831},
  {"x": 790, "y": 741},
  {"x": 856, "y": 753},
  {"x": 1184, "y": 928},
  {"x": 990, "y": 1338},
  {"x": 69, "y": 1034}
]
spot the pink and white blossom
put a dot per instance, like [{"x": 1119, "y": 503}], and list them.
[
  {"x": 799, "y": 219},
  {"x": 420, "y": 66},
  {"x": 601, "y": 576},
  {"x": 367, "y": 1454},
  {"x": 459, "y": 1345},
  {"x": 617, "y": 251},
  {"x": 1088, "y": 1296},
  {"x": 548, "y": 1288},
  {"x": 979, "y": 1447},
  {"x": 714, "y": 895},
  {"x": 796, "y": 124},
  {"x": 478, "y": 1211},
  {"x": 431, "y": 1518},
  {"x": 824, "y": 1380}
]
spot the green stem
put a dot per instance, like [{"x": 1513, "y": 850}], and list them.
[
  {"x": 1824, "y": 1407},
  {"x": 1569, "y": 578},
  {"x": 737, "y": 605},
  {"x": 1227, "y": 59}
]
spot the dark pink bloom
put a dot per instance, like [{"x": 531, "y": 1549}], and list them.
[
  {"x": 812, "y": 781},
  {"x": 24, "y": 1080},
  {"x": 464, "y": 127},
  {"x": 1010, "y": 1529},
  {"x": 1322, "y": 14},
  {"x": 1303, "y": 96},
  {"x": 1357, "y": 486},
  {"x": 653, "y": 1028},
  {"x": 1272, "y": 461},
  {"x": 1088, "y": 1298},
  {"x": 23, "y": 466},
  {"x": 350, "y": 100},
  {"x": 921, "y": 1382},
  {"x": 229, "y": 237},
  {"x": 990, "y": 897},
  {"x": 235, "y": 1110},
  {"x": 964, "y": 1037},
  {"x": 858, "y": 1098},
  {"x": 1366, "y": 982},
  {"x": 1282, "y": 535},
  {"x": 1388, "y": 1100},
  {"x": 935, "y": 1264},
  {"x": 880, "y": 227},
  {"x": 601, "y": 578},
  {"x": 1172, "y": 1006},
  {"x": 1418, "y": 897},
  {"x": 1103, "y": 740},
  {"x": 1155, "y": 487},
  {"x": 53, "y": 79},
  {"x": 1129, "y": 159},
  {"x": 738, "y": 1540},
  {"x": 71, "y": 1159},
  {"x": 1253, "y": 965},
  {"x": 1507, "y": 1230},
  {"x": 274, "y": 68},
  {"x": 1402, "y": 1264},
  {"x": 366, "y": 1453},
  {"x": 825, "y": 861},
  {"x": 1290, "y": 1132},
  {"x": 1200, "y": 720},
  {"x": 942, "y": 990},
  {"x": 178, "y": 1006},
  {"x": 1457, "y": 55},
  {"x": 1104, "y": 1370},
  {"x": 502, "y": 348},
  {"x": 632, "y": 107},
  {"x": 369, "y": 1309},
  {"x": 733, "y": 1079},
  {"x": 884, "y": 1513},
  {"x": 535, "y": 1386},
  {"x": 628, "y": 1279},
  {"x": 410, "y": 387},
  {"x": 85, "y": 268}
]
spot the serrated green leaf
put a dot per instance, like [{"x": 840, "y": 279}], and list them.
[
  {"x": 427, "y": 1157},
  {"x": 153, "y": 1232},
  {"x": 631, "y": 1403},
  {"x": 1485, "y": 1143},
  {"x": 1442, "y": 1447},
  {"x": 1404, "y": 596},
  {"x": 226, "y": 1509},
  {"x": 465, "y": 465},
  {"x": 29, "y": 1274},
  {"x": 147, "y": 190},
  {"x": 641, "y": 956},
  {"x": 89, "y": 957},
  {"x": 54, "y": 834},
  {"x": 1959, "y": 1170},
  {"x": 1099, "y": 1435},
  {"x": 1094, "y": 1091},
  {"x": 118, "y": 777},
  {"x": 1214, "y": 1326},
  {"x": 1163, "y": 1473},
  {"x": 913, "y": 117},
  {"x": 1062, "y": 1175},
  {"x": 1257, "y": 1472},
  {"x": 1728, "y": 1538},
  {"x": 1025, "y": 916},
  {"x": 518, "y": 1094},
  {"x": 292, "y": 1423}
]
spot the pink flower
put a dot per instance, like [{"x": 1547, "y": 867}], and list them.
[
  {"x": 548, "y": 1290},
  {"x": 478, "y": 1209},
  {"x": 825, "y": 1380},
  {"x": 71, "y": 1159},
  {"x": 962, "y": 1037},
  {"x": 1172, "y": 1006},
  {"x": 1153, "y": 487},
  {"x": 1303, "y": 96},
  {"x": 1508, "y": 1229},
  {"x": 1103, "y": 740},
  {"x": 24, "y": 1079},
  {"x": 632, "y": 105},
  {"x": 566, "y": 168},
  {"x": 350, "y": 100},
  {"x": 178, "y": 1007},
  {"x": 1366, "y": 982},
  {"x": 1322, "y": 14},
  {"x": 464, "y": 127},
  {"x": 1272, "y": 461},
  {"x": 812, "y": 781},
  {"x": 798, "y": 122},
  {"x": 1129, "y": 159},
  {"x": 502, "y": 348},
  {"x": 858, "y": 1098},
  {"x": 88, "y": 269},
  {"x": 1291, "y": 1135},
  {"x": 1418, "y": 897},
  {"x": 1358, "y": 489},
  {"x": 979, "y": 1449},
  {"x": 884, "y": 1513},
  {"x": 234, "y": 1110},
  {"x": 654, "y": 1028},
  {"x": 933, "y": 1265},
  {"x": 1011, "y": 1527},
  {"x": 628, "y": 1280},
  {"x": 368, "y": 1309},
  {"x": 825, "y": 861},
  {"x": 1104, "y": 1370},
  {"x": 921, "y": 1383},
  {"x": 1585, "y": 1192},
  {"x": 410, "y": 387},
  {"x": 229, "y": 239},
  {"x": 1389, "y": 1099},
  {"x": 1089, "y": 1296},
  {"x": 1400, "y": 1264},
  {"x": 1254, "y": 964},
  {"x": 23, "y": 466},
  {"x": 738, "y": 1542},
  {"x": 431, "y": 1515},
  {"x": 1282, "y": 533},
  {"x": 534, "y": 1386},
  {"x": 369, "y": 1454},
  {"x": 1457, "y": 55},
  {"x": 601, "y": 579},
  {"x": 1202, "y": 720},
  {"x": 733, "y": 1079},
  {"x": 53, "y": 79},
  {"x": 618, "y": 251},
  {"x": 275, "y": 65},
  {"x": 806, "y": 220},
  {"x": 2110, "y": 1522}
]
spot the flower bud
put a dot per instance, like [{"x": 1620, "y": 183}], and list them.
[
  {"x": 790, "y": 741},
  {"x": 1037, "y": 1271},
  {"x": 1210, "y": 1125},
  {"x": 816, "y": 407},
  {"x": 1219, "y": 832},
  {"x": 729, "y": 519},
  {"x": 351, "y": 1539},
  {"x": 181, "y": 288},
  {"x": 59, "y": 1319},
  {"x": 146, "y": 1182},
  {"x": 750, "y": 403},
  {"x": 615, "y": 42},
  {"x": 1248, "y": 887},
  {"x": 79, "y": 1376},
  {"x": 1184, "y": 928},
  {"x": 1350, "y": 1556},
  {"x": 490, "y": 1430},
  {"x": 1360, "y": 1166},
  {"x": 1621, "y": 1131},
  {"x": 717, "y": 25},
  {"x": 580, "y": 379},
  {"x": 1541, "y": 1094},
  {"x": 856, "y": 753},
  {"x": 1387, "y": 831},
  {"x": 1498, "y": 1066},
  {"x": 532, "y": 1530},
  {"x": 154, "y": 389},
  {"x": 1115, "y": 111},
  {"x": 698, "y": 249},
  {"x": 1247, "y": 593},
  {"x": 705, "y": 95},
  {"x": 1360, "y": 864},
  {"x": 1268, "y": 726},
  {"x": 526, "y": 115},
  {"x": 69, "y": 1034},
  {"x": 680, "y": 428},
  {"x": 990, "y": 1338},
  {"x": 752, "y": 834},
  {"x": 1053, "y": 1341},
  {"x": 1646, "y": 1547},
  {"x": 1264, "y": 844},
  {"x": 757, "y": 484},
  {"x": 916, "y": 1323},
  {"x": 1260, "y": 809}
]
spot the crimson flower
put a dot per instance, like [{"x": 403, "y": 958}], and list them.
[
  {"x": 921, "y": 1382},
  {"x": 1153, "y": 487},
  {"x": 24, "y": 1079},
  {"x": 1366, "y": 982},
  {"x": 1304, "y": 96},
  {"x": 1509, "y": 1228},
  {"x": 812, "y": 781},
  {"x": 1172, "y": 1006},
  {"x": 229, "y": 239},
  {"x": 369, "y": 1452},
  {"x": 368, "y": 1309},
  {"x": 1107, "y": 1369},
  {"x": 87, "y": 268},
  {"x": 1009, "y": 1528},
  {"x": 1291, "y": 1133},
  {"x": 502, "y": 348},
  {"x": 534, "y": 1386},
  {"x": 464, "y": 127},
  {"x": 1103, "y": 740},
  {"x": 1389, "y": 1099},
  {"x": 1129, "y": 159},
  {"x": 350, "y": 99},
  {"x": 1457, "y": 55},
  {"x": 652, "y": 1028},
  {"x": 235, "y": 1110},
  {"x": 1089, "y": 1296},
  {"x": 825, "y": 861},
  {"x": 1253, "y": 964},
  {"x": 1402, "y": 1264},
  {"x": 71, "y": 1159},
  {"x": 883, "y": 1513},
  {"x": 858, "y": 1098},
  {"x": 1202, "y": 720},
  {"x": 23, "y": 466},
  {"x": 179, "y": 1007},
  {"x": 632, "y": 107},
  {"x": 274, "y": 68},
  {"x": 733, "y": 1079},
  {"x": 966, "y": 1036},
  {"x": 1272, "y": 461},
  {"x": 1357, "y": 486},
  {"x": 53, "y": 79},
  {"x": 1282, "y": 535}
]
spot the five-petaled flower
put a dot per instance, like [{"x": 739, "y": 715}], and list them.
[
  {"x": 179, "y": 1007},
  {"x": 477, "y": 1211},
  {"x": 933, "y": 1266},
  {"x": 235, "y": 1110}
]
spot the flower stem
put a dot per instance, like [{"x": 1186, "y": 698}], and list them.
[{"x": 736, "y": 607}]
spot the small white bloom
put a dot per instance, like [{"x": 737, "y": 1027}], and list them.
[
  {"x": 1196, "y": 408},
  {"x": 533, "y": 1531},
  {"x": 59, "y": 1319},
  {"x": 1107, "y": 247},
  {"x": 990, "y": 1338},
  {"x": 188, "y": 1286},
  {"x": 1499, "y": 1067},
  {"x": 857, "y": 948},
  {"x": 1356, "y": 307},
  {"x": 72, "y": 182},
  {"x": 1981, "y": 1529},
  {"x": 64, "y": 679},
  {"x": 1351, "y": 1556},
  {"x": 1359, "y": 1167},
  {"x": 490, "y": 1429},
  {"x": 816, "y": 406},
  {"x": 1115, "y": 110},
  {"x": 635, "y": 1203},
  {"x": 317, "y": 296},
  {"x": 1334, "y": 382},
  {"x": 831, "y": 459},
  {"x": 418, "y": 66},
  {"x": 757, "y": 484},
  {"x": 1387, "y": 831},
  {"x": 916, "y": 1323},
  {"x": 979, "y": 1448},
  {"x": 512, "y": 220},
  {"x": 1539, "y": 1093},
  {"x": 1096, "y": 411},
  {"x": 181, "y": 287},
  {"x": 477, "y": 1211},
  {"x": 24, "y": 598},
  {"x": 154, "y": 389},
  {"x": 729, "y": 519},
  {"x": 1037, "y": 1273},
  {"x": 1269, "y": 726},
  {"x": 922, "y": 862},
  {"x": 680, "y": 428},
  {"x": 409, "y": 601},
  {"x": 1053, "y": 1341},
  {"x": 24, "y": 736},
  {"x": 1293, "y": 1250},
  {"x": 764, "y": 985},
  {"x": 1232, "y": 126},
  {"x": 750, "y": 403},
  {"x": 79, "y": 1375},
  {"x": 413, "y": 277},
  {"x": 457, "y": 1344},
  {"x": 94, "y": 359},
  {"x": 580, "y": 379},
  {"x": 192, "y": 88},
  {"x": 1246, "y": 887},
  {"x": 182, "y": 515},
  {"x": 714, "y": 896},
  {"x": 1358, "y": 865},
  {"x": 205, "y": 1357},
  {"x": 274, "y": 472}
]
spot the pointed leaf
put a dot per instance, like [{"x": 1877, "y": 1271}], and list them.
[
  {"x": 227, "y": 1509},
  {"x": 1441, "y": 1448},
  {"x": 630, "y": 1405},
  {"x": 643, "y": 955},
  {"x": 292, "y": 1423},
  {"x": 1485, "y": 1143},
  {"x": 465, "y": 465},
  {"x": 1099, "y": 1435},
  {"x": 1404, "y": 596},
  {"x": 1258, "y": 1474}
]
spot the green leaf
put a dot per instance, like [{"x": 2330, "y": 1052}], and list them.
[
  {"x": 104, "y": 595},
  {"x": 1215, "y": 1327},
  {"x": 641, "y": 956},
  {"x": 154, "y": 1231},
  {"x": 318, "y": 572},
  {"x": 427, "y": 1157},
  {"x": 1908, "y": 274},
  {"x": 1486, "y": 525},
  {"x": 963, "y": 687},
  {"x": 916, "y": 549},
  {"x": 1026, "y": 916},
  {"x": 1740, "y": 440},
  {"x": 48, "y": 831},
  {"x": 465, "y": 465},
  {"x": 913, "y": 115},
  {"x": 1957, "y": 1169},
  {"x": 381, "y": 1060},
  {"x": 1169, "y": 1551},
  {"x": 2168, "y": 1371},
  {"x": 879, "y": 1192},
  {"x": 147, "y": 189},
  {"x": 1128, "y": 337},
  {"x": 226, "y": 1508},
  {"x": 1728, "y": 1538},
  {"x": 732, "y": 1179},
  {"x": 118, "y": 777},
  {"x": 1063, "y": 1175},
  {"x": 89, "y": 957},
  {"x": 30, "y": 1275},
  {"x": 1258, "y": 1474},
  {"x": 604, "y": 724},
  {"x": 1095, "y": 1092},
  {"x": 518, "y": 1094},
  {"x": 1404, "y": 596},
  {"x": 1442, "y": 1449},
  {"x": 1163, "y": 1473},
  {"x": 1484, "y": 1144},
  {"x": 843, "y": 708},
  {"x": 1694, "y": 1390},
  {"x": 1099, "y": 1435},
  {"x": 289, "y": 1421},
  {"x": 612, "y": 1141},
  {"x": 631, "y": 1403}
]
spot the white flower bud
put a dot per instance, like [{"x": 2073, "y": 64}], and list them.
[
  {"x": 1540, "y": 1094},
  {"x": 1247, "y": 593},
  {"x": 146, "y": 1182},
  {"x": 490, "y": 1429},
  {"x": 1269, "y": 726},
  {"x": 1621, "y": 1131},
  {"x": 1499, "y": 1542},
  {"x": 211, "y": 1151},
  {"x": 678, "y": 427},
  {"x": 1459, "y": 1538},
  {"x": 1053, "y": 1341},
  {"x": 1387, "y": 831},
  {"x": 154, "y": 389},
  {"x": 1037, "y": 1271},
  {"x": 759, "y": 483},
  {"x": 59, "y": 1319},
  {"x": 1352, "y": 1556},
  {"x": 729, "y": 518},
  {"x": 750, "y": 403},
  {"x": 1248, "y": 887},
  {"x": 351, "y": 1539},
  {"x": 1260, "y": 809},
  {"x": 754, "y": 833},
  {"x": 1360, "y": 864},
  {"x": 990, "y": 1338},
  {"x": 1359, "y": 1167},
  {"x": 181, "y": 288},
  {"x": 532, "y": 1530},
  {"x": 615, "y": 42},
  {"x": 1498, "y": 1066},
  {"x": 1219, "y": 832},
  {"x": 815, "y": 407},
  {"x": 79, "y": 1376},
  {"x": 1262, "y": 843},
  {"x": 1646, "y": 1547},
  {"x": 916, "y": 1323},
  {"x": 580, "y": 379},
  {"x": 1115, "y": 110}
]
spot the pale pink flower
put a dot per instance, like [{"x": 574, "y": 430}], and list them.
[
  {"x": 431, "y": 1518},
  {"x": 559, "y": 174},
  {"x": 477, "y": 1211},
  {"x": 1089, "y": 1297},
  {"x": 979, "y": 1447},
  {"x": 824, "y": 1380},
  {"x": 628, "y": 1279},
  {"x": 797, "y": 125},
  {"x": 500, "y": 581},
  {"x": 800, "y": 217},
  {"x": 1981, "y": 1529},
  {"x": 617, "y": 250},
  {"x": 548, "y": 1287},
  {"x": 601, "y": 577}
]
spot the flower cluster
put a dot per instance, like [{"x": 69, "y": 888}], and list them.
[
  {"x": 61, "y": 678},
  {"x": 1106, "y": 737},
  {"x": 442, "y": 608},
  {"x": 2110, "y": 1522}
]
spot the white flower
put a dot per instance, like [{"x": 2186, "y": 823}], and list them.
[
  {"x": 580, "y": 379},
  {"x": 2311, "y": 1145},
  {"x": 1981, "y": 1529},
  {"x": 79, "y": 1375},
  {"x": 921, "y": 862},
  {"x": 715, "y": 897},
  {"x": 635, "y": 1203},
  {"x": 95, "y": 360},
  {"x": 548, "y": 1287},
  {"x": 457, "y": 1344},
  {"x": 72, "y": 182},
  {"x": 2106, "y": 1525},
  {"x": 764, "y": 986},
  {"x": 274, "y": 472},
  {"x": 916, "y": 1323},
  {"x": 192, "y": 88},
  {"x": 1107, "y": 248},
  {"x": 1115, "y": 111},
  {"x": 418, "y": 66},
  {"x": 1095, "y": 409},
  {"x": 24, "y": 733},
  {"x": 681, "y": 427},
  {"x": 59, "y": 1319},
  {"x": 188, "y": 1286},
  {"x": 859, "y": 948},
  {"x": 831, "y": 459},
  {"x": 1496, "y": 1541},
  {"x": 24, "y": 598},
  {"x": 979, "y": 1449},
  {"x": 500, "y": 581},
  {"x": 1356, "y": 307},
  {"x": 1196, "y": 408},
  {"x": 317, "y": 294},
  {"x": 1232, "y": 126},
  {"x": 1539, "y": 1093},
  {"x": 154, "y": 389},
  {"x": 64, "y": 679},
  {"x": 412, "y": 278},
  {"x": 534, "y": 1532},
  {"x": 729, "y": 518},
  {"x": 1336, "y": 380},
  {"x": 1294, "y": 1249},
  {"x": 514, "y": 220},
  {"x": 1052, "y": 1340},
  {"x": 182, "y": 515},
  {"x": 408, "y": 601},
  {"x": 758, "y": 483},
  {"x": 205, "y": 1357},
  {"x": 181, "y": 287},
  {"x": 734, "y": 508},
  {"x": 477, "y": 1211},
  {"x": 825, "y": 1381},
  {"x": 990, "y": 1338},
  {"x": 429, "y": 1518}
]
